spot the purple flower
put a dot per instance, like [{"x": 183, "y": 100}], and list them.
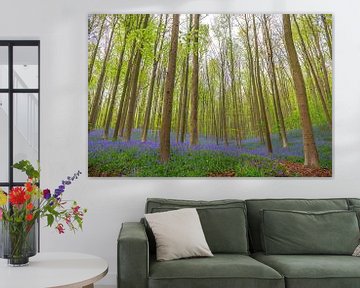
[
  {"x": 46, "y": 194},
  {"x": 68, "y": 181},
  {"x": 57, "y": 193}
]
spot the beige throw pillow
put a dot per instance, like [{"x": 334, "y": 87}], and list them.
[
  {"x": 357, "y": 251},
  {"x": 178, "y": 234}
]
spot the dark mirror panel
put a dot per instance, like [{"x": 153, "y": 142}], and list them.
[
  {"x": 4, "y": 67},
  {"x": 4, "y": 137}
]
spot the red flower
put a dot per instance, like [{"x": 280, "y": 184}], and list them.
[
  {"x": 29, "y": 217},
  {"x": 27, "y": 196},
  {"x": 68, "y": 219},
  {"x": 75, "y": 209},
  {"x": 60, "y": 228},
  {"x": 29, "y": 206},
  {"x": 17, "y": 196}
]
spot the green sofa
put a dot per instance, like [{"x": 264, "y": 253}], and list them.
[{"x": 233, "y": 231}]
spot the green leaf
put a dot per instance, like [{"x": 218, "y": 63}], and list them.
[{"x": 50, "y": 219}]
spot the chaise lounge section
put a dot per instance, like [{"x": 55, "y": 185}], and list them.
[{"x": 300, "y": 271}]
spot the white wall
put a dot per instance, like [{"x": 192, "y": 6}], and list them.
[{"x": 62, "y": 28}]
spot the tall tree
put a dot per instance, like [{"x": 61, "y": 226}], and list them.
[
  {"x": 252, "y": 83},
  {"x": 168, "y": 92},
  {"x": 233, "y": 84},
  {"x": 265, "y": 124},
  {"x": 320, "y": 55},
  {"x": 278, "y": 109},
  {"x": 94, "y": 52},
  {"x": 134, "y": 84},
  {"x": 156, "y": 56},
  {"x": 185, "y": 90},
  {"x": 223, "y": 98},
  {"x": 311, "y": 155},
  {"x": 194, "y": 136},
  {"x": 96, "y": 100},
  {"x": 314, "y": 74},
  {"x": 327, "y": 33},
  {"x": 125, "y": 89},
  {"x": 117, "y": 79}
]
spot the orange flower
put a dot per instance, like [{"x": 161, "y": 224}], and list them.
[
  {"x": 27, "y": 196},
  {"x": 29, "y": 217},
  {"x": 29, "y": 206},
  {"x": 29, "y": 186}
]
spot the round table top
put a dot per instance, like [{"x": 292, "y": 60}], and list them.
[{"x": 45, "y": 270}]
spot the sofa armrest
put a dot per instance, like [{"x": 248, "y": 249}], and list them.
[{"x": 133, "y": 256}]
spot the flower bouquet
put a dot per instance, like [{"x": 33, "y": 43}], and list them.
[{"x": 21, "y": 208}]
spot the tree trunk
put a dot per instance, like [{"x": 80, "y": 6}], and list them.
[
  {"x": 185, "y": 91},
  {"x": 310, "y": 152},
  {"x": 265, "y": 124},
  {"x": 223, "y": 100},
  {"x": 194, "y": 136},
  {"x": 115, "y": 88},
  {"x": 134, "y": 88},
  {"x": 153, "y": 77},
  {"x": 255, "y": 101},
  {"x": 212, "y": 100},
  {"x": 168, "y": 93},
  {"x": 159, "y": 91},
  {"x": 181, "y": 99},
  {"x": 278, "y": 109},
  {"x": 233, "y": 86},
  {"x": 125, "y": 89}
]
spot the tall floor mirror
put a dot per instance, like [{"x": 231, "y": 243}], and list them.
[{"x": 19, "y": 108}]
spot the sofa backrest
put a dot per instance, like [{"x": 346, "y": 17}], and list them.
[
  {"x": 223, "y": 221},
  {"x": 353, "y": 202},
  {"x": 256, "y": 205}
]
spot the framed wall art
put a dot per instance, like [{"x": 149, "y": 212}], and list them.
[{"x": 210, "y": 95}]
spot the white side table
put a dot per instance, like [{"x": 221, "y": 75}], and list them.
[{"x": 50, "y": 270}]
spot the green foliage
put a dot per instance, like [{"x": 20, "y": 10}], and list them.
[
  {"x": 133, "y": 163},
  {"x": 26, "y": 167}
]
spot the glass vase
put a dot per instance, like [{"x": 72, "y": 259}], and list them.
[{"x": 18, "y": 242}]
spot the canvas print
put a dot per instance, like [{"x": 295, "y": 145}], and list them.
[{"x": 210, "y": 95}]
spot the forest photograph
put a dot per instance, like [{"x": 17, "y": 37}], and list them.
[{"x": 210, "y": 95}]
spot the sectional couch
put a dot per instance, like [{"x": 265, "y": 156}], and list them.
[{"x": 248, "y": 252}]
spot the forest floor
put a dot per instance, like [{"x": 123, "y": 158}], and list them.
[{"x": 208, "y": 159}]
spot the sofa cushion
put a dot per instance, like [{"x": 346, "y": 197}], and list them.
[
  {"x": 222, "y": 270},
  {"x": 254, "y": 217},
  {"x": 178, "y": 234},
  {"x": 223, "y": 221},
  {"x": 314, "y": 271},
  {"x": 297, "y": 232}
]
